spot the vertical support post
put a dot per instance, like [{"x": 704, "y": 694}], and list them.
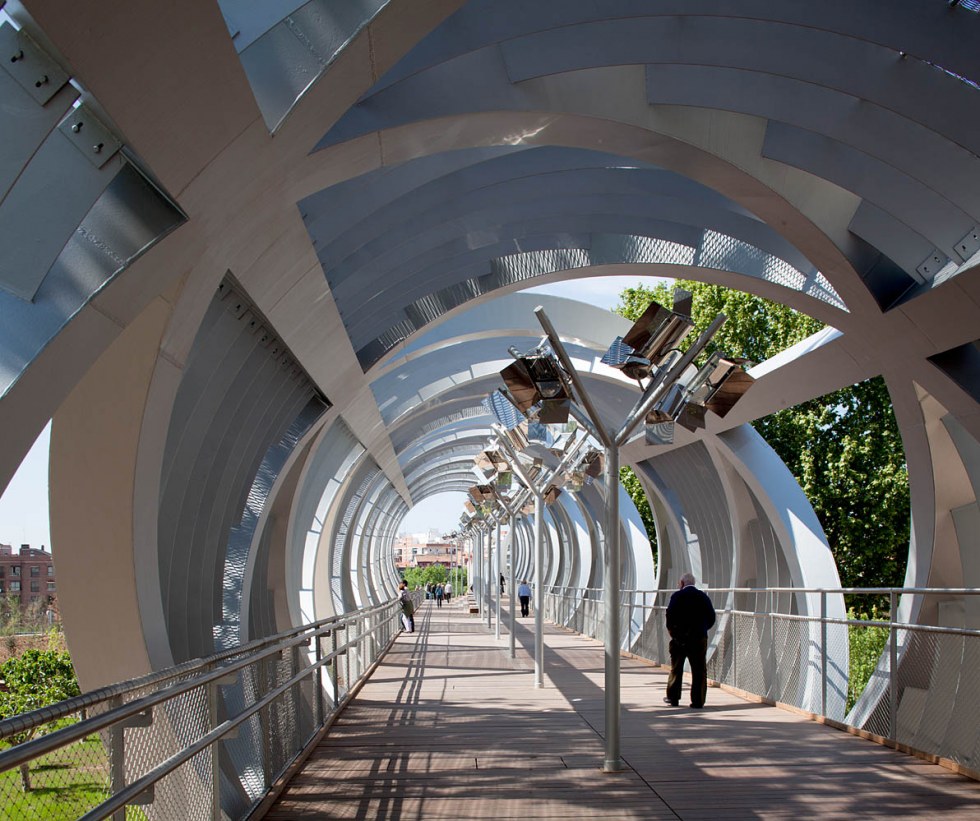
[
  {"x": 215, "y": 751},
  {"x": 318, "y": 707},
  {"x": 265, "y": 730},
  {"x": 893, "y": 667},
  {"x": 538, "y": 591},
  {"x": 117, "y": 763},
  {"x": 773, "y": 669},
  {"x": 611, "y": 584},
  {"x": 823, "y": 652},
  {"x": 734, "y": 620},
  {"x": 513, "y": 588},
  {"x": 297, "y": 698},
  {"x": 334, "y": 664},
  {"x": 496, "y": 580},
  {"x": 489, "y": 580}
]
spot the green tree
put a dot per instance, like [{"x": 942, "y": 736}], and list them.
[
  {"x": 843, "y": 448},
  {"x": 421, "y": 576},
  {"x": 631, "y": 482},
  {"x": 866, "y": 645},
  {"x": 31, "y": 681}
]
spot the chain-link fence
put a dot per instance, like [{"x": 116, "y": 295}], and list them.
[
  {"x": 903, "y": 664},
  {"x": 206, "y": 739}
]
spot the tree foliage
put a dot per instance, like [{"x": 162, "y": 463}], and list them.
[
  {"x": 421, "y": 576},
  {"x": 843, "y": 448},
  {"x": 631, "y": 482},
  {"x": 30, "y": 681}
]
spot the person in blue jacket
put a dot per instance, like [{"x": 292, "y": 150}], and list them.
[{"x": 690, "y": 614}]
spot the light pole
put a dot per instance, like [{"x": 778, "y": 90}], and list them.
[
  {"x": 512, "y": 518},
  {"x": 538, "y": 490},
  {"x": 612, "y": 441}
]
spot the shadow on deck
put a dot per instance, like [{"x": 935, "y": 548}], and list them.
[{"x": 449, "y": 726}]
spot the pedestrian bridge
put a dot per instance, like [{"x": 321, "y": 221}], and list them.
[
  {"x": 353, "y": 718},
  {"x": 449, "y": 726},
  {"x": 263, "y": 264}
]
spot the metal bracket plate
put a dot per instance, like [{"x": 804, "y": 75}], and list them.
[
  {"x": 969, "y": 245},
  {"x": 33, "y": 69},
  {"x": 932, "y": 264},
  {"x": 83, "y": 130},
  {"x": 144, "y": 719}
]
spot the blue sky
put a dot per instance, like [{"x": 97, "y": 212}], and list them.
[{"x": 24, "y": 504}]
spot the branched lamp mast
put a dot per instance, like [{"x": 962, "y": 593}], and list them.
[
  {"x": 512, "y": 518},
  {"x": 538, "y": 490},
  {"x": 612, "y": 441}
]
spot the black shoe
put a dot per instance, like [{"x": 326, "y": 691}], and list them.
[
  {"x": 696, "y": 706},
  {"x": 670, "y": 702}
]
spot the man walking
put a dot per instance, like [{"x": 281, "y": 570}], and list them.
[
  {"x": 524, "y": 594},
  {"x": 689, "y": 615}
]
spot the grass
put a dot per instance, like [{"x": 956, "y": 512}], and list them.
[{"x": 65, "y": 784}]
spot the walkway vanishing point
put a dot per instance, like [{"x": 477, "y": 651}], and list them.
[{"x": 449, "y": 726}]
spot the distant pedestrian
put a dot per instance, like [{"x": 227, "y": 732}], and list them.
[
  {"x": 524, "y": 594},
  {"x": 408, "y": 607},
  {"x": 448, "y": 591},
  {"x": 689, "y": 615},
  {"x": 440, "y": 591},
  {"x": 501, "y": 584}
]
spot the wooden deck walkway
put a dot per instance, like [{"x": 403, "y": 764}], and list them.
[{"x": 449, "y": 726}]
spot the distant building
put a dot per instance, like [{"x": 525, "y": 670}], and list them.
[
  {"x": 416, "y": 551},
  {"x": 28, "y": 573}
]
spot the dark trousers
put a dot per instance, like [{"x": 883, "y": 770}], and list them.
[
  {"x": 695, "y": 651},
  {"x": 525, "y": 604}
]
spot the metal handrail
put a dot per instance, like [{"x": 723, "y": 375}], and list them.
[
  {"x": 26, "y": 721},
  {"x": 208, "y": 673}
]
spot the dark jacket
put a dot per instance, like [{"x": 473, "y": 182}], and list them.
[{"x": 689, "y": 614}]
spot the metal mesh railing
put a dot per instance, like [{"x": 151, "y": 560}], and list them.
[
  {"x": 917, "y": 684},
  {"x": 203, "y": 740}
]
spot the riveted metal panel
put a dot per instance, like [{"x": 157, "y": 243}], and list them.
[
  {"x": 46, "y": 204},
  {"x": 284, "y": 61},
  {"x": 23, "y": 127}
]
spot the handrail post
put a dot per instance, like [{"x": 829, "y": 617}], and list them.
[
  {"x": 297, "y": 699},
  {"x": 336, "y": 671},
  {"x": 318, "y": 711},
  {"x": 823, "y": 652},
  {"x": 773, "y": 666},
  {"x": 265, "y": 728},
  {"x": 117, "y": 763},
  {"x": 215, "y": 752},
  {"x": 734, "y": 622},
  {"x": 893, "y": 668}
]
